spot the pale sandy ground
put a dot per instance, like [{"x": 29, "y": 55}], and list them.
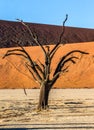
[{"x": 69, "y": 109}]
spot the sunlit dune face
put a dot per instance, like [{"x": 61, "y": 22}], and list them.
[{"x": 14, "y": 74}]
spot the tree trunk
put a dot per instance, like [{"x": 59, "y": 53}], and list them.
[{"x": 43, "y": 97}]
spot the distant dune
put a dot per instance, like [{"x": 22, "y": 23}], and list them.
[
  {"x": 13, "y": 32},
  {"x": 13, "y": 73}
]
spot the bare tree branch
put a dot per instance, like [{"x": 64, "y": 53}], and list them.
[
  {"x": 54, "y": 79},
  {"x": 33, "y": 35},
  {"x": 39, "y": 69},
  {"x": 61, "y": 35},
  {"x": 26, "y": 55},
  {"x": 65, "y": 69},
  {"x": 54, "y": 52},
  {"x": 29, "y": 68},
  {"x": 41, "y": 64},
  {"x": 63, "y": 59},
  {"x": 15, "y": 54},
  {"x": 25, "y": 92}
]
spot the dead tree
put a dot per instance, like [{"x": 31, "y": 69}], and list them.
[{"x": 41, "y": 71}]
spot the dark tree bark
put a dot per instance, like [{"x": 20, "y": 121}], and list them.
[{"x": 43, "y": 97}]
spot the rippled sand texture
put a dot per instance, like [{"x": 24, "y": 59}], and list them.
[{"x": 68, "y": 109}]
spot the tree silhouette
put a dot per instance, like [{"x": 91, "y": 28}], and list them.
[{"x": 41, "y": 71}]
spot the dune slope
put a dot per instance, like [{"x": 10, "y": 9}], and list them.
[
  {"x": 14, "y": 74},
  {"x": 13, "y": 32}
]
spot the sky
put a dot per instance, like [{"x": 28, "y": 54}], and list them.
[{"x": 53, "y": 12}]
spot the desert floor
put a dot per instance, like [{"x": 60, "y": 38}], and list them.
[{"x": 69, "y": 109}]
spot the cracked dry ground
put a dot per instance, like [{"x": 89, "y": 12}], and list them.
[{"x": 67, "y": 107}]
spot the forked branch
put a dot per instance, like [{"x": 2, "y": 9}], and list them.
[
  {"x": 60, "y": 37},
  {"x": 33, "y": 35},
  {"x": 65, "y": 59},
  {"x": 22, "y": 52}
]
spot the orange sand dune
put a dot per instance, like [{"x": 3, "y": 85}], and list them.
[{"x": 14, "y": 74}]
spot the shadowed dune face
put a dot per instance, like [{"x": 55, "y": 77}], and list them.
[
  {"x": 14, "y": 74},
  {"x": 13, "y": 32}
]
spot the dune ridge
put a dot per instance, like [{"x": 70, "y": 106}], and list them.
[{"x": 13, "y": 32}]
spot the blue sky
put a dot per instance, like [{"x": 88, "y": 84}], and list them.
[{"x": 81, "y": 12}]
